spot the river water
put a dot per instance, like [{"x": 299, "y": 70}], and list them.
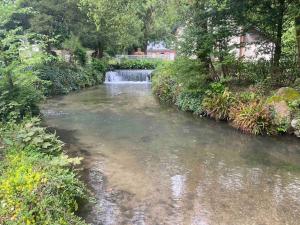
[{"x": 150, "y": 164}]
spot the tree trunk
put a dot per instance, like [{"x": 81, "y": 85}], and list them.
[
  {"x": 98, "y": 52},
  {"x": 145, "y": 47},
  {"x": 279, "y": 33},
  {"x": 203, "y": 49},
  {"x": 297, "y": 22}
]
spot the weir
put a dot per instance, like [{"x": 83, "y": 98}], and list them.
[{"x": 119, "y": 76}]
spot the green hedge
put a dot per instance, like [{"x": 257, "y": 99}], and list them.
[
  {"x": 135, "y": 64},
  {"x": 65, "y": 78}
]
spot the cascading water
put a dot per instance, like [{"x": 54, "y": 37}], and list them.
[{"x": 119, "y": 76}]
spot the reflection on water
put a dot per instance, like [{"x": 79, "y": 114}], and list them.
[{"x": 150, "y": 164}]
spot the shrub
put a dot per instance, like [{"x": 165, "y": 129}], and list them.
[
  {"x": 99, "y": 65},
  {"x": 80, "y": 56},
  {"x": 29, "y": 133},
  {"x": 138, "y": 64},
  {"x": 37, "y": 189},
  {"x": 176, "y": 81},
  {"x": 251, "y": 117},
  {"x": 217, "y": 105},
  {"x": 165, "y": 88},
  {"x": 20, "y": 91},
  {"x": 190, "y": 74},
  {"x": 65, "y": 77},
  {"x": 254, "y": 72},
  {"x": 37, "y": 185},
  {"x": 190, "y": 101}
]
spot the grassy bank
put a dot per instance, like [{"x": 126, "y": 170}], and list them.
[
  {"x": 247, "y": 100},
  {"x": 38, "y": 182}
]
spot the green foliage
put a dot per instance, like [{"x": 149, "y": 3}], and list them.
[
  {"x": 252, "y": 117},
  {"x": 181, "y": 82},
  {"x": 116, "y": 21},
  {"x": 20, "y": 90},
  {"x": 165, "y": 88},
  {"x": 65, "y": 77},
  {"x": 36, "y": 183},
  {"x": 158, "y": 20},
  {"x": 100, "y": 65},
  {"x": 74, "y": 45},
  {"x": 136, "y": 64},
  {"x": 217, "y": 105},
  {"x": 28, "y": 133},
  {"x": 190, "y": 101},
  {"x": 190, "y": 74}
]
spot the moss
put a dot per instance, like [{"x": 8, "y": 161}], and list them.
[{"x": 284, "y": 94}]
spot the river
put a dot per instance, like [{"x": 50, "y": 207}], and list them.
[{"x": 150, "y": 164}]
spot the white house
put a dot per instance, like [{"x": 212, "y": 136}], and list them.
[{"x": 253, "y": 45}]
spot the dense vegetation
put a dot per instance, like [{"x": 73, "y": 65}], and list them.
[
  {"x": 258, "y": 95},
  {"x": 47, "y": 48},
  {"x": 138, "y": 64},
  {"x": 37, "y": 184},
  {"x": 51, "y": 47},
  {"x": 248, "y": 103}
]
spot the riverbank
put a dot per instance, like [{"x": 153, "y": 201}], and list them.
[
  {"x": 251, "y": 106},
  {"x": 39, "y": 183}
]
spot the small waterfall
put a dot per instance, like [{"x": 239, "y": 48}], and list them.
[{"x": 119, "y": 76}]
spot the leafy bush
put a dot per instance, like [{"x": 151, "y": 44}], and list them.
[
  {"x": 251, "y": 117},
  {"x": 177, "y": 81},
  {"x": 165, "y": 88},
  {"x": 29, "y": 133},
  {"x": 74, "y": 45},
  {"x": 253, "y": 71},
  {"x": 190, "y": 74},
  {"x": 80, "y": 56},
  {"x": 138, "y": 64},
  {"x": 217, "y": 105},
  {"x": 190, "y": 101},
  {"x": 65, "y": 77},
  {"x": 100, "y": 66},
  {"x": 20, "y": 91},
  {"x": 37, "y": 188}
]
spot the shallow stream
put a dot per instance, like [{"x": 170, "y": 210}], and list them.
[{"x": 151, "y": 164}]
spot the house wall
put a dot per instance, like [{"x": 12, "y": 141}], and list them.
[
  {"x": 168, "y": 55},
  {"x": 252, "y": 46}
]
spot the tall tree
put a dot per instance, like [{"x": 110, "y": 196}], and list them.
[
  {"x": 118, "y": 26},
  {"x": 297, "y": 22},
  {"x": 272, "y": 18},
  {"x": 55, "y": 19},
  {"x": 159, "y": 19}
]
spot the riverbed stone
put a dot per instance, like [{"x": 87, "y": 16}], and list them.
[{"x": 296, "y": 126}]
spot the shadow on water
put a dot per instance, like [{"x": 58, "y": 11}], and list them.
[{"x": 150, "y": 164}]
